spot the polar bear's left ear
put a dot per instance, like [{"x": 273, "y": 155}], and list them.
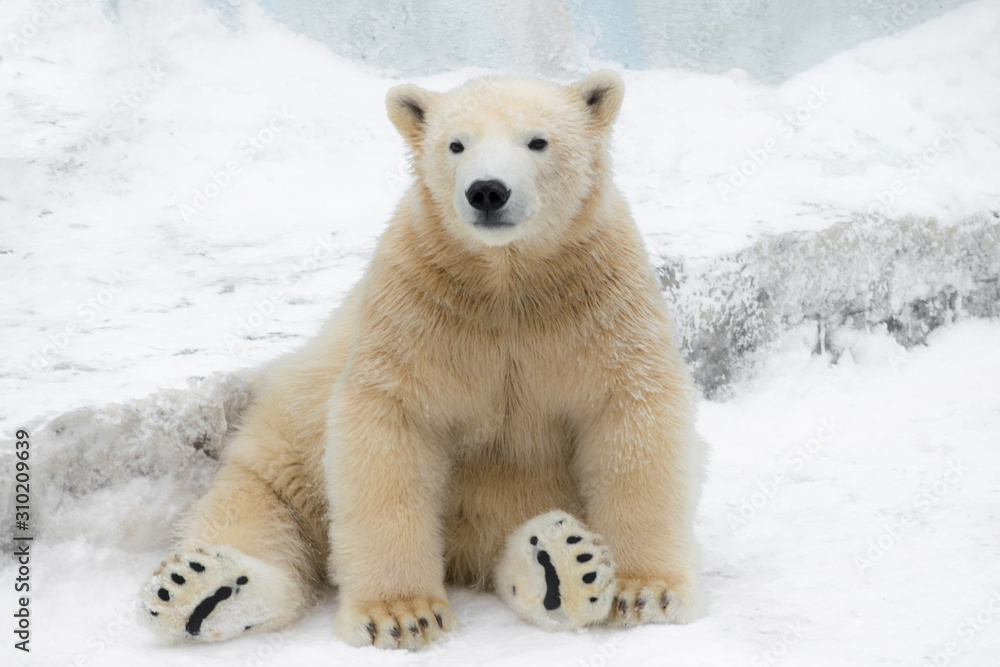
[
  {"x": 602, "y": 92},
  {"x": 408, "y": 106}
]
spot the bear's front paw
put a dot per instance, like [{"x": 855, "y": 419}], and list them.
[
  {"x": 409, "y": 623},
  {"x": 557, "y": 574},
  {"x": 637, "y": 601}
]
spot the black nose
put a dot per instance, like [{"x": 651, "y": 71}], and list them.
[{"x": 487, "y": 195}]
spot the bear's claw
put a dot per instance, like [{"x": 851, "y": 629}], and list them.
[
  {"x": 637, "y": 602},
  {"x": 411, "y": 623}
]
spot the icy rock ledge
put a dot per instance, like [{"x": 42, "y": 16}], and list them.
[
  {"x": 119, "y": 474},
  {"x": 907, "y": 276}
]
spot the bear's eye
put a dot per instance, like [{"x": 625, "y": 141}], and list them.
[
  {"x": 456, "y": 147},
  {"x": 538, "y": 144}
]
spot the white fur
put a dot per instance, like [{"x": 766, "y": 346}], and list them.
[{"x": 505, "y": 157}]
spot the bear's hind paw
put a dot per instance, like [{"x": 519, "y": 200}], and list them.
[
  {"x": 557, "y": 574},
  {"x": 209, "y": 594}
]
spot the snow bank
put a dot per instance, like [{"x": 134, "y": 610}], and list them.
[
  {"x": 906, "y": 277},
  {"x": 119, "y": 474}
]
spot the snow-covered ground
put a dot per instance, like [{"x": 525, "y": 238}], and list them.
[
  {"x": 183, "y": 196},
  {"x": 850, "y": 518}
]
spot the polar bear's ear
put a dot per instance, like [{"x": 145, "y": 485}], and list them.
[
  {"x": 408, "y": 106},
  {"x": 602, "y": 92}
]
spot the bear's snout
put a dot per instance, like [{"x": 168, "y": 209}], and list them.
[{"x": 487, "y": 196}]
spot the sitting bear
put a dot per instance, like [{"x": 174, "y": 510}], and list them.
[{"x": 498, "y": 403}]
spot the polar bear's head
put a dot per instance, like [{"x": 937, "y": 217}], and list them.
[{"x": 508, "y": 158}]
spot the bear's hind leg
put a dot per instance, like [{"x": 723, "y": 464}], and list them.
[
  {"x": 243, "y": 566},
  {"x": 556, "y": 574}
]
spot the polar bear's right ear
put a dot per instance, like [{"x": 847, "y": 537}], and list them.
[
  {"x": 408, "y": 106},
  {"x": 602, "y": 92}
]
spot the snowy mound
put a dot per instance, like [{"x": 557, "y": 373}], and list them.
[
  {"x": 118, "y": 474},
  {"x": 905, "y": 277}
]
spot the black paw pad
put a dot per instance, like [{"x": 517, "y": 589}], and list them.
[
  {"x": 204, "y": 608},
  {"x": 552, "y": 599},
  {"x": 573, "y": 539},
  {"x": 177, "y": 579},
  {"x": 590, "y": 577},
  {"x": 583, "y": 558},
  {"x": 197, "y": 567},
  {"x": 163, "y": 594}
]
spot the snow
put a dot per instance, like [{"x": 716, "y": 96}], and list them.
[
  {"x": 811, "y": 464},
  {"x": 183, "y": 196}
]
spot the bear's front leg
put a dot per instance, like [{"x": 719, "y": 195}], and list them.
[
  {"x": 636, "y": 466},
  {"x": 386, "y": 481}
]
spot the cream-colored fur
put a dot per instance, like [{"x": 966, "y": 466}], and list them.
[{"x": 476, "y": 378}]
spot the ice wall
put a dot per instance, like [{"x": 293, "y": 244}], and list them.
[
  {"x": 770, "y": 39},
  {"x": 119, "y": 474},
  {"x": 905, "y": 277}
]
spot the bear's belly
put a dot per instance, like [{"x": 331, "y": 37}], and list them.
[{"x": 494, "y": 489}]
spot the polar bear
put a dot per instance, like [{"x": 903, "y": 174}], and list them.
[{"x": 498, "y": 403}]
